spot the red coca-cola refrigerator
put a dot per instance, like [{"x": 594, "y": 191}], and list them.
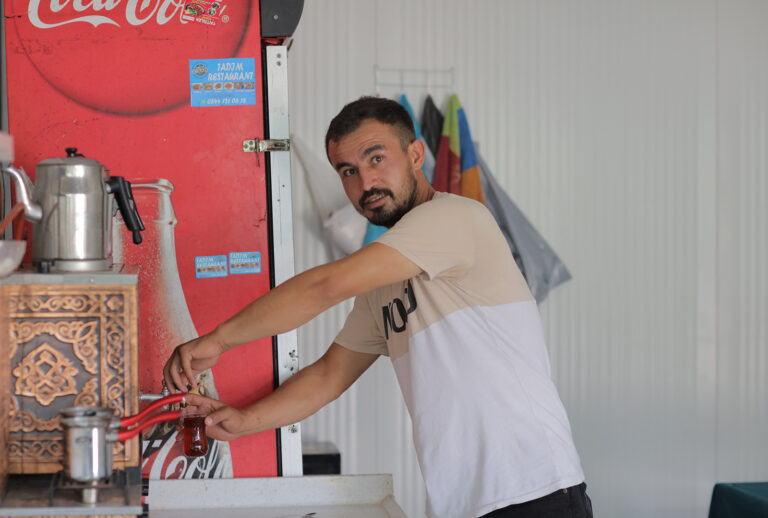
[{"x": 188, "y": 100}]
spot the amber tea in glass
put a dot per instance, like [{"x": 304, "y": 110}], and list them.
[{"x": 195, "y": 440}]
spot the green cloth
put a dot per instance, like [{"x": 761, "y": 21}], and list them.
[{"x": 742, "y": 500}]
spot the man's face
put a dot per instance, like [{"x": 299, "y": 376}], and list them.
[{"x": 378, "y": 176}]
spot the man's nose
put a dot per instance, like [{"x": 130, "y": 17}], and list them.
[{"x": 368, "y": 178}]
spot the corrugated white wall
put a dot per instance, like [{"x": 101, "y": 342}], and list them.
[{"x": 633, "y": 135}]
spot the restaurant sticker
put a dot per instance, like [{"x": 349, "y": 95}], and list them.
[
  {"x": 210, "y": 266},
  {"x": 244, "y": 262},
  {"x": 207, "y": 12},
  {"x": 222, "y": 82}
]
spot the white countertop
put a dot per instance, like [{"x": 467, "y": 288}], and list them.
[{"x": 312, "y": 496}]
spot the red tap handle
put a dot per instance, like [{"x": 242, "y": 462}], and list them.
[
  {"x": 168, "y": 400},
  {"x": 124, "y": 435}
]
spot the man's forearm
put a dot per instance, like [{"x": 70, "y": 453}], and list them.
[
  {"x": 282, "y": 309},
  {"x": 297, "y": 398},
  {"x": 301, "y": 298}
]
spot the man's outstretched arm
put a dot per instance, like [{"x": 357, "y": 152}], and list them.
[
  {"x": 299, "y": 397},
  {"x": 289, "y": 305}
]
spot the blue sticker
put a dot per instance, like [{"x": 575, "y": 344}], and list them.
[
  {"x": 244, "y": 262},
  {"x": 222, "y": 82},
  {"x": 210, "y": 266}
]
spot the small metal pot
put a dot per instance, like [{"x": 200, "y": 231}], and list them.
[
  {"x": 90, "y": 434},
  {"x": 87, "y": 444}
]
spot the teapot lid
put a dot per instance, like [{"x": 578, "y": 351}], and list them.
[{"x": 72, "y": 158}]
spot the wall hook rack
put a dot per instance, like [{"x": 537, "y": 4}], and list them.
[{"x": 426, "y": 78}]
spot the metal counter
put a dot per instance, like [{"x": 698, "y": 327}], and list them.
[{"x": 318, "y": 496}]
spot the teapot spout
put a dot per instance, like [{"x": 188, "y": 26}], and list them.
[{"x": 32, "y": 211}]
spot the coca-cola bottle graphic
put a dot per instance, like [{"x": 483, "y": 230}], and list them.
[
  {"x": 140, "y": 44},
  {"x": 164, "y": 323}
]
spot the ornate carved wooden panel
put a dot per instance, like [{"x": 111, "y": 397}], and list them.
[
  {"x": 5, "y": 391},
  {"x": 69, "y": 345}
]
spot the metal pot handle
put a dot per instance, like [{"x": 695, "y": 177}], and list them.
[
  {"x": 168, "y": 400},
  {"x": 124, "y": 435}
]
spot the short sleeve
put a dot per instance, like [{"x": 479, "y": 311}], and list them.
[
  {"x": 437, "y": 236},
  {"x": 360, "y": 332}
]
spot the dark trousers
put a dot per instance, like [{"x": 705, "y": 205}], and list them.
[{"x": 572, "y": 502}]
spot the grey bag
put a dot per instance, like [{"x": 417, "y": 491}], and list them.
[{"x": 540, "y": 265}]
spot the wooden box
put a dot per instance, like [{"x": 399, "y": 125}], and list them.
[
  {"x": 5, "y": 392},
  {"x": 72, "y": 340}
]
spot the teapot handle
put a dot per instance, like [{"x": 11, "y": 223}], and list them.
[{"x": 121, "y": 188}]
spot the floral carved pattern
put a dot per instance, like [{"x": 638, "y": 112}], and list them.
[
  {"x": 54, "y": 304},
  {"x": 85, "y": 346},
  {"x": 89, "y": 396},
  {"x": 23, "y": 421},
  {"x": 82, "y": 334},
  {"x": 113, "y": 353},
  {"x": 38, "y": 450},
  {"x": 45, "y": 374},
  {"x": 114, "y": 304}
]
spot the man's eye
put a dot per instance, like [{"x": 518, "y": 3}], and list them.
[
  {"x": 348, "y": 172},
  {"x": 376, "y": 159}
]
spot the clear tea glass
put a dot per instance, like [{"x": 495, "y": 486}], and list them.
[{"x": 193, "y": 429}]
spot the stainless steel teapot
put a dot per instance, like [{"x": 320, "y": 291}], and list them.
[{"x": 71, "y": 210}]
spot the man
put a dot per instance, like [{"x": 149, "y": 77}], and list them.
[{"x": 439, "y": 293}]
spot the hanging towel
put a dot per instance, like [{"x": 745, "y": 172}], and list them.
[
  {"x": 429, "y": 157},
  {"x": 540, "y": 265},
  {"x": 431, "y": 125},
  {"x": 405, "y": 104},
  {"x": 456, "y": 169},
  {"x": 471, "y": 186}
]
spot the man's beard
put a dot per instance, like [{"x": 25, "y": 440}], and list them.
[{"x": 388, "y": 218}]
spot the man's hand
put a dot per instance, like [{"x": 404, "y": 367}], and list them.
[
  {"x": 223, "y": 422},
  {"x": 190, "y": 359}
]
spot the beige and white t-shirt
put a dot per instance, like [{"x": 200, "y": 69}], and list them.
[{"x": 466, "y": 342}]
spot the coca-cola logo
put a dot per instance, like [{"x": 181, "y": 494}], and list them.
[
  {"x": 161, "y": 12},
  {"x": 121, "y": 56}
]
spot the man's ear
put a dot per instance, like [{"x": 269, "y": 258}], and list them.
[{"x": 416, "y": 153}]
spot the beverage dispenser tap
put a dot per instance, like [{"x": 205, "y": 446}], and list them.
[{"x": 154, "y": 397}]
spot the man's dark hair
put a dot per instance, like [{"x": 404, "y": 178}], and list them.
[{"x": 385, "y": 111}]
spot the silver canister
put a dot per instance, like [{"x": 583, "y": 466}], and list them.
[{"x": 88, "y": 442}]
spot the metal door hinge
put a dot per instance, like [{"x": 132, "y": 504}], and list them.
[{"x": 261, "y": 146}]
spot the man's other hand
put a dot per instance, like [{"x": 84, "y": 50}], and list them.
[{"x": 190, "y": 359}]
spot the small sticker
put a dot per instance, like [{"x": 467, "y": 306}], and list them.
[
  {"x": 244, "y": 262},
  {"x": 210, "y": 266},
  {"x": 207, "y": 12},
  {"x": 222, "y": 82}
]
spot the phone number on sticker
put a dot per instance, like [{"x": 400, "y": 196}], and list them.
[{"x": 225, "y": 101}]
